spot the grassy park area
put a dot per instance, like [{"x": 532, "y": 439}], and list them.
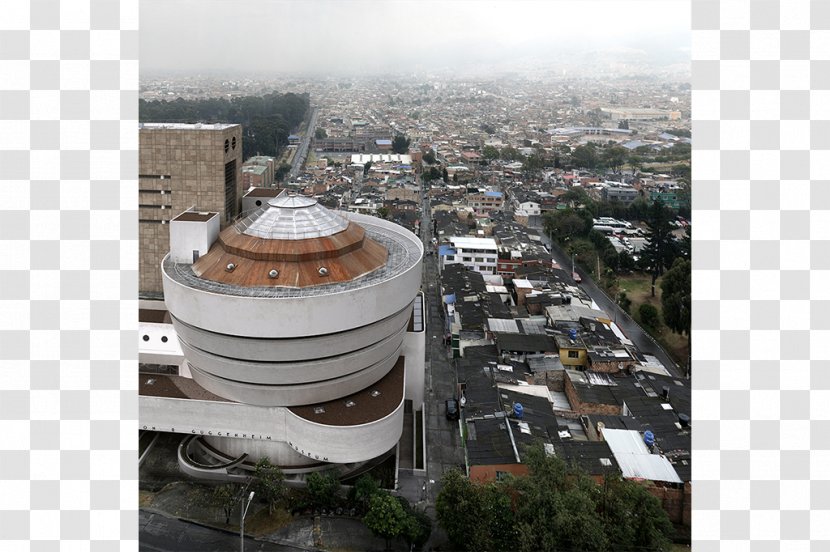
[{"x": 637, "y": 287}]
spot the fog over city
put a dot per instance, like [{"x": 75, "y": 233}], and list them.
[{"x": 360, "y": 37}]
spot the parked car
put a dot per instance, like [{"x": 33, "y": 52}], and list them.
[{"x": 452, "y": 409}]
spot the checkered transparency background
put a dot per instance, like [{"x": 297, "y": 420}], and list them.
[
  {"x": 761, "y": 275},
  {"x": 68, "y": 280},
  {"x": 68, "y": 284}
]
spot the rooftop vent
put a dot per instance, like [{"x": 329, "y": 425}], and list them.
[
  {"x": 323, "y": 271},
  {"x": 273, "y": 273},
  {"x": 230, "y": 267},
  {"x": 350, "y": 404},
  {"x": 151, "y": 381},
  {"x": 375, "y": 393},
  {"x": 319, "y": 410}
]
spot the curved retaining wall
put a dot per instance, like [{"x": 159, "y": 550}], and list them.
[{"x": 286, "y": 438}]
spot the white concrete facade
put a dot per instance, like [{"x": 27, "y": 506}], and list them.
[
  {"x": 479, "y": 254},
  {"x": 268, "y": 349}
]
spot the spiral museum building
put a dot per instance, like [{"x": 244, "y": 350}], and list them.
[{"x": 297, "y": 333}]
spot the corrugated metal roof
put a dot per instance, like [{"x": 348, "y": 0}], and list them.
[
  {"x": 507, "y": 325},
  {"x": 635, "y": 460}
]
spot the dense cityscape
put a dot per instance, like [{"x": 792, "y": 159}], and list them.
[{"x": 548, "y": 339}]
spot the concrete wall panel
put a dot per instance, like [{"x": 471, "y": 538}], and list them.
[
  {"x": 293, "y": 373},
  {"x": 292, "y": 349},
  {"x": 295, "y": 395}
]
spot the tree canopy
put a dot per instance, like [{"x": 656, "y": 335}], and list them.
[
  {"x": 556, "y": 507},
  {"x": 266, "y": 120},
  {"x": 490, "y": 153},
  {"x": 585, "y": 157},
  {"x": 677, "y": 296},
  {"x": 270, "y": 483},
  {"x": 386, "y": 517},
  {"x": 660, "y": 250},
  {"x": 614, "y": 158},
  {"x": 400, "y": 144}
]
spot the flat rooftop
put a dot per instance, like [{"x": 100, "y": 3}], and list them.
[
  {"x": 373, "y": 403},
  {"x": 263, "y": 192},
  {"x": 185, "y": 126},
  {"x": 194, "y": 216}
]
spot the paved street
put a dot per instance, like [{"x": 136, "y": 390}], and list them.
[
  {"x": 158, "y": 533},
  {"x": 302, "y": 149},
  {"x": 444, "y": 449}
]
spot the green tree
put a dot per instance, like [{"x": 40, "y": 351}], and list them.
[
  {"x": 649, "y": 315},
  {"x": 429, "y": 157},
  {"x": 660, "y": 248},
  {"x": 400, "y": 144},
  {"x": 614, "y": 158},
  {"x": 634, "y": 518},
  {"x": 627, "y": 263},
  {"x": 386, "y": 518},
  {"x": 624, "y": 302},
  {"x": 323, "y": 489},
  {"x": 382, "y": 212},
  {"x": 490, "y": 153},
  {"x": 417, "y": 529},
  {"x": 509, "y": 153},
  {"x": 566, "y": 224},
  {"x": 366, "y": 167},
  {"x": 636, "y": 163},
  {"x": 585, "y": 157},
  {"x": 227, "y": 496},
  {"x": 445, "y": 176},
  {"x": 677, "y": 296},
  {"x": 282, "y": 171},
  {"x": 463, "y": 509},
  {"x": 363, "y": 490},
  {"x": 682, "y": 171},
  {"x": 270, "y": 483}
]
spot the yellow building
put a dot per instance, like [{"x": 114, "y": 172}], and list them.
[{"x": 572, "y": 352}]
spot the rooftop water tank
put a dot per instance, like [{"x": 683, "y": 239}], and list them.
[
  {"x": 518, "y": 410},
  {"x": 648, "y": 438},
  {"x": 572, "y": 334}
]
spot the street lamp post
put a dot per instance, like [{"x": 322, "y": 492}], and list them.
[{"x": 244, "y": 507}]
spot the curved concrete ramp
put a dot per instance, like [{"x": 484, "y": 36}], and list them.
[{"x": 217, "y": 472}]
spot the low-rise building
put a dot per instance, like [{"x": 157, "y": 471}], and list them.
[{"x": 479, "y": 254}]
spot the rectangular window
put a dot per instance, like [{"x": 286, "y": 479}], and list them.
[
  {"x": 450, "y": 257},
  {"x": 573, "y": 354}
]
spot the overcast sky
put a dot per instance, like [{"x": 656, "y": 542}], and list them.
[{"x": 360, "y": 36}]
